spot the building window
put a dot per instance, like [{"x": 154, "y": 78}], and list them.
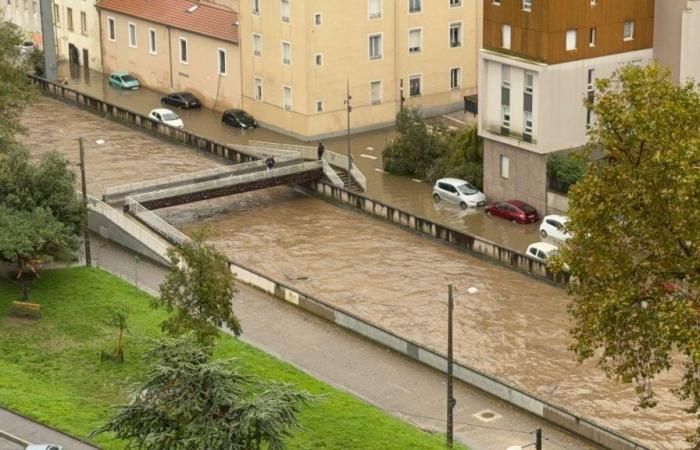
[
  {"x": 629, "y": 30},
  {"x": 286, "y": 53},
  {"x": 374, "y": 8},
  {"x": 527, "y": 125},
  {"x": 319, "y": 59},
  {"x": 152, "y": 44},
  {"x": 505, "y": 167},
  {"x": 285, "y": 10},
  {"x": 455, "y": 78},
  {"x": 375, "y": 92},
  {"x": 257, "y": 44},
  {"x": 258, "y": 89},
  {"x": 571, "y": 40},
  {"x": 83, "y": 22},
  {"x": 414, "y": 84},
  {"x": 592, "y": 37},
  {"x": 505, "y": 76},
  {"x": 287, "y": 98},
  {"x": 132, "y": 35},
  {"x": 527, "y": 105},
  {"x": 375, "y": 46},
  {"x": 505, "y": 118},
  {"x": 415, "y": 6},
  {"x": 69, "y": 17},
  {"x": 496, "y": 2},
  {"x": 319, "y": 106},
  {"x": 318, "y": 19},
  {"x": 505, "y": 99},
  {"x": 111, "y": 29},
  {"x": 221, "y": 58},
  {"x": 184, "y": 57},
  {"x": 527, "y": 5},
  {"x": 505, "y": 36},
  {"x": 455, "y": 3},
  {"x": 56, "y": 14},
  {"x": 455, "y": 35},
  {"x": 415, "y": 38},
  {"x": 256, "y": 7},
  {"x": 529, "y": 82}
]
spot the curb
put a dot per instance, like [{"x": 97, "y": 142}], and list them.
[
  {"x": 50, "y": 427},
  {"x": 13, "y": 438}
]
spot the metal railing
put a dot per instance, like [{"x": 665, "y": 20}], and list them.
[
  {"x": 229, "y": 181},
  {"x": 359, "y": 177},
  {"x": 157, "y": 223},
  {"x": 332, "y": 176}
]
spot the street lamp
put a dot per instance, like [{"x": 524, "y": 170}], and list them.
[
  {"x": 451, "y": 402},
  {"x": 86, "y": 227}
]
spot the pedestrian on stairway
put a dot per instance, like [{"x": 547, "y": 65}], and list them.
[
  {"x": 321, "y": 149},
  {"x": 270, "y": 163}
]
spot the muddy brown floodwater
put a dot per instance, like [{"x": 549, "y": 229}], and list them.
[{"x": 514, "y": 327}]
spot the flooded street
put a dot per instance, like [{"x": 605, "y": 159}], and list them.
[
  {"x": 399, "y": 192},
  {"x": 515, "y": 327}
]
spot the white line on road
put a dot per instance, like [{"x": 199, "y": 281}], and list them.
[
  {"x": 369, "y": 148},
  {"x": 368, "y": 156},
  {"x": 416, "y": 180},
  {"x": 378, "y": 170},
  {"x": 401, "y": 388},
  {"x": 456, "y": 120}
]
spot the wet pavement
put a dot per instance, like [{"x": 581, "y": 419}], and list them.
[
  {"x": 399, "y": 192},
  {"x": 515, "y": 327}
]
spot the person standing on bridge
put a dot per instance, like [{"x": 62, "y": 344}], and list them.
[
  {"x": 270, "y": 163},
  {"x": 321, "y": 149}
]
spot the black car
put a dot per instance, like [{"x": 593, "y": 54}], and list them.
[
  {"x": 238, "y": 118},
  {"x": 182, "y": 99}
]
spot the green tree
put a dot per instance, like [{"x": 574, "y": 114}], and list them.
[
  {"x": 199, "y": 287},
  {"x": 190, "y": 402},
  {"x": 635, "y": 220},
  {"x": 567, "y": 170},
  {"x": 15, "y": 90},
  {"x": 415, "y": 149},
  {"x": 117, "y": 318},
  {"x": 464, "y": 158}
]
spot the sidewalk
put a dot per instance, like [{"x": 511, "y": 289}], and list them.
[
  {"x": 403, "y": 387},
  {"x": 35, "y": 433}
]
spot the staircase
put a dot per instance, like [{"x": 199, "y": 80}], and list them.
[{"x": 349, "y": 183}]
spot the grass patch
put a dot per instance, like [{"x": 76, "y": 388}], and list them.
[{"x": 50, "y": 369}]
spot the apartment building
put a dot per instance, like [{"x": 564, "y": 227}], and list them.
[
  {"x": 26, "y": 15},
  {"x": 175, "y": 45},
  {"x": 539, "y": 61},
  {"x": 300, "y": 56},
  {"x": 677, "y": 37}
]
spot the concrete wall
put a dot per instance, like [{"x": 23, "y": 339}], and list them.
[
  {"x": 88, "y": 39},
  {"x": 677, "y": 37}
]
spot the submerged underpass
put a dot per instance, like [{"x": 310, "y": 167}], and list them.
[{"x": 514, "y": 328}]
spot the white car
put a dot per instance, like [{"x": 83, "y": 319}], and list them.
[
  {"x": 459, "y": 192},
  {"x": 43, "y": 447},
  {"x": 542, "y": 251},
  {"x": 167, "y": 117},
  {"x": 554, "y": 226}
]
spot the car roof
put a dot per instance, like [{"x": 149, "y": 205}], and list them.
[
  {"x": 184, "y": 94},
  {"x": 162, "y": 110},
  {"x": 557, "y": 217},
  {"x": 455, "y": 181},
  {"x": 233, "y": 111},
  {"x": 41, "y": 446},
  {"x": 544, "y": 246},
  {"x": 120, "y": 73},
  {"x": 518, "y": 203}
]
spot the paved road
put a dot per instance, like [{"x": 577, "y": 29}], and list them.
[
  {"x": 35, "y": 433},
  {"x": 380, "y": 376}
]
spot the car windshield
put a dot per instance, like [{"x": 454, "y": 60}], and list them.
[
  {"x": 170, "y": 116},
  {"x": 128, "y": 78},
  {"x": 467, "y": 189},
  {"x": 188, "y": 97},
  {"x": 528, "y": 209},
  {"x": 244, "y": 115}
]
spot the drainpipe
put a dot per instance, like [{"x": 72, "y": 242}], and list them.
[
  {"x": 49, "y": 39},
  {"x": 170, "y": 57},
  {"x": 102, "y": 50}
]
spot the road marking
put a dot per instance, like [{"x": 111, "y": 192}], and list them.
[
  {"x": 369, "y": 148},
  {"x": 456, "y": 120},
  {"x": 401, "y": 388},
  {"x": 416, "y": 180},
  {"x": 376, "y": 169},
  {"x": 368, "y": 156}
]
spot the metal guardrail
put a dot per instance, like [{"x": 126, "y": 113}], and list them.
[
  {"x": 157, "y": 223},
  {"x": 229, "y": 181},
  {"x": 359, "y": 177},
  {"x": 332, "y": 176}
]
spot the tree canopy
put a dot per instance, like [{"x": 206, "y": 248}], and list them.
[
  {"x": 635, "y": 220},
  {"x": 199, "y": 288},
  {"x": 190, "y": 402}
]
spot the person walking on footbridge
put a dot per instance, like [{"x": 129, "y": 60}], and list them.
[{"x": 270, "y": 162}]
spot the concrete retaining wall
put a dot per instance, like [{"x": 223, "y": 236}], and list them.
[
  {"x": 460, "y": 239},
  {"x": 474, "y": 377}
]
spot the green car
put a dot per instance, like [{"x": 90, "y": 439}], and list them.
[{"x": 123, "y": 80}]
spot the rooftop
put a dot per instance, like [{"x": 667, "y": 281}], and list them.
[{"x": 198, "y": 17}]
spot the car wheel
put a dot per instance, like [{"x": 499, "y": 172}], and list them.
[
  {"x": 543, "y": 234},
  {"x": 463, "y": 205},
  {"x": 436, "y": 198}
]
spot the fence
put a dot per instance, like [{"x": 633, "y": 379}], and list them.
[
  {"x": 332, "y": 176},
  {"x": 154, "y": 221}
]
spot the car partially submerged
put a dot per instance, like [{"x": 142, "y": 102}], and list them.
[
  {"x": 123, "y": 80},
  {"x": 459, "y": 192},
  {"x": 167, "y": 117}
]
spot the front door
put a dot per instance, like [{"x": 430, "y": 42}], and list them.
[
  {"x": 86, "y": 58},
  {"x": 73, "y": 54}
]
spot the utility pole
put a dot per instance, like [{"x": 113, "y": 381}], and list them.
[
  {"x": 538, "y": 439},
  {"x": 347, "y": 102},
  {"x": 86, "y": 229},
  {"x": 450, "y": 399}
]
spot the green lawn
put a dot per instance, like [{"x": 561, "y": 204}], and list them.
[{"x": 50, "y": 369}]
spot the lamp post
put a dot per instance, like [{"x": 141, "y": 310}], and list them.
[
  {"x": 86, "y": 229},
  {"x": 451, "y": 402},
  {"x": 348, "y": 97}
]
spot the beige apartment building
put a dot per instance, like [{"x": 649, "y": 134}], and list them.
[
  {"x": 175, "y": 45},
  {"x": 298, "y": 58}
]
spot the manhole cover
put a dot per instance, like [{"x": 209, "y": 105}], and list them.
[{"x": 487, "y": 416}]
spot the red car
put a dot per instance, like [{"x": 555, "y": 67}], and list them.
[{"x": 513, "y": 210}]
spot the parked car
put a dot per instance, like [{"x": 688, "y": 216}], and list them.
[
  {"x": 554, "y": 226},
  {"x": 26, "y": 47},
  {"x": 513, "y": 210},
  {"x": 43, "y": 447},
  {"x": 542, "y": 251},
  {"x": 238, "y": 118},
  {"x": 167, "y": 117},
  {"x": 182, "y": 99},
  {"x": 458, "y": 191},
  {"x": 123, "y": 80}
]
